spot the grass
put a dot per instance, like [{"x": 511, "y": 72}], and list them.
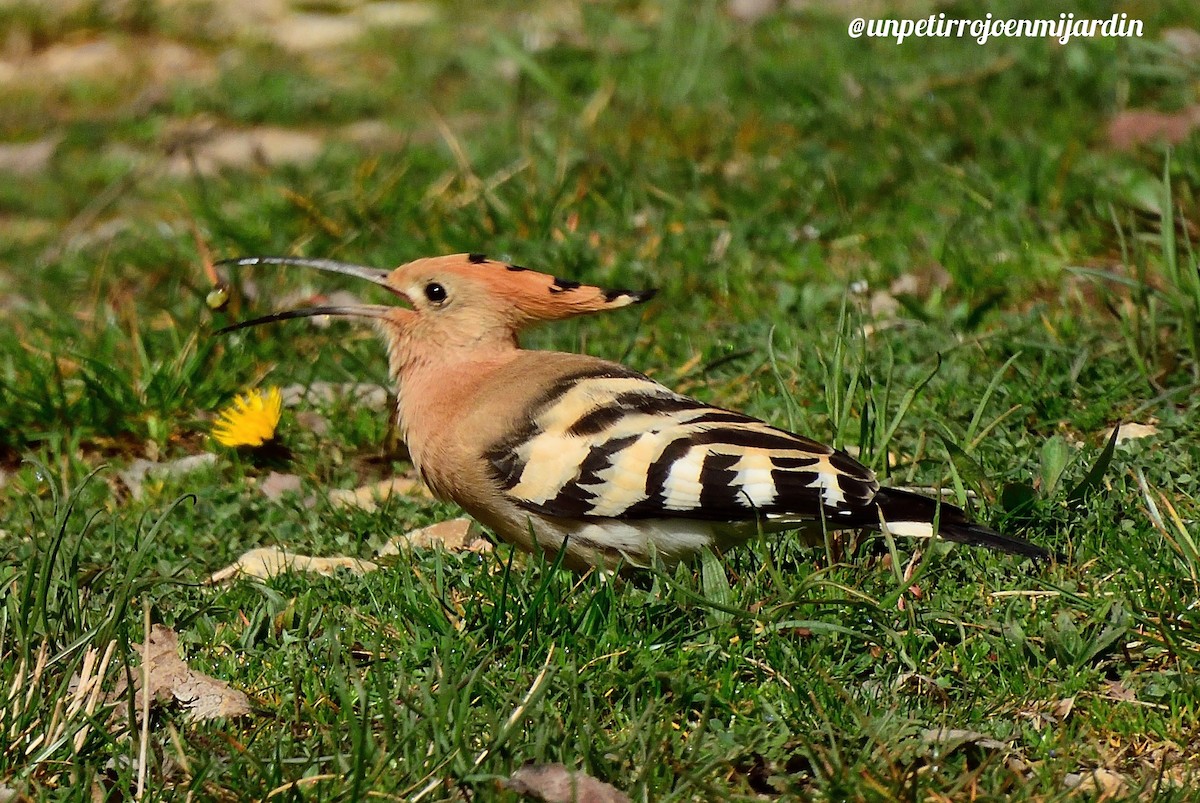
[{"x": 753, "y": 171}]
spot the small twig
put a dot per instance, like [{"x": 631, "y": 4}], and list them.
[
  {"x": 300, "y": 783},
  {"x": 142, "y": 748},
  {"x": 433, "y": 775},
  {"x": 38, "y": 669},
  {"x": 1035, "y": 594},
  {"x": 764, "y": 666},
  {"x": 94, "y": 697}
]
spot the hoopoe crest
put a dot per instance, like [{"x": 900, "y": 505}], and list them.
[{"x": 567, "y": 452}]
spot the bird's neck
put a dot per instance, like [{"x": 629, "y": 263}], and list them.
[{"x": 435, "y": 376}]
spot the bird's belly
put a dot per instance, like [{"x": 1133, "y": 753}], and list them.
[
  {"x": 642, "y": 541},
  {"x": 611, "y": 543}
]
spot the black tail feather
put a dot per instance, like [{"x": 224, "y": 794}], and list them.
[{"x": 953, "y": 524}]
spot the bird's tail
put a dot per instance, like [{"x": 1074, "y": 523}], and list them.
[{"x": 912, "y": 515}]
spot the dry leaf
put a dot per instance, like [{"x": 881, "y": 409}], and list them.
[
  {"x": 1139, "y": 126},
  {"x": 28, "y": 158},
  {"x": 455, "y": 535},
  {"x": 373, "y": 135},
  {"x": 751, "y": 10},
  {"x": 268, "y": 145},
  {"x": 1132, "y": 432},
  {"x": 315, "y": 423},
  {"x": 170, "y": 679},
  {"x": 275, "y": 485},
  {"x": 95, "y": 60},
  {"x": 7, "y": 793},
  {"x": 303, "y": 33},
  {"x": 396, "y": 14},
  {"x": 1108, "y": 783},
  {"x": 883, "y": 305},
  {"x": 1063, "y": 708},
  {"x": 1182, "y": 774},
  {"x": 554, "y": 783},
  {"x": 368, "y": 497},
  {"x": 915, "y": 683},
  {"x": 922, "y": 281},
  {"x": 919, "y": 283},
  {"x": 1184, "y": 41},
  {"x": 951, "y": 739},
  {"x": 266, "y": 562},
  {"x": 479, "y": 545},
  {"x": 1116, "y": 690},
  {"x": 135, "y": 476},
  {"x": 172, "y": 63}
]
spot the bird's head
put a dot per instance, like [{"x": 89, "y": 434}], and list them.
[{"x": 463, "y": 300}]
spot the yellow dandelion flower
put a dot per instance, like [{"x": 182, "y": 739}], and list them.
[{"x": 250, "y": 420}]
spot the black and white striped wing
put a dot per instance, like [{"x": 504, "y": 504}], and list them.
[{"x": 613, "y": 443}]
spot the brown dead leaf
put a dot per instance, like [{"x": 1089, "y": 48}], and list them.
[
  {"x": 170, "y": 679},
  {"x": 554, "y": 783},
  {"x": 1185, "y": 41},
  {"x": 398, "y": 14},
  {"x": 1135, "y": 127},
  {"x": 94, "y": 60},
  {"x": 454, "y": 535},
  {"x": 1132, "y": 432},
  {"x": 304, "y": 33},
  {"x": 1182, "y": 774},
  {"x": 315, "y": 423},
  {"x": 1116, "y": 690},
  {"x": 242, "y": 149},
  {"x": 275, "y": 485},
  {"x": 1105, "y": 782},
  {"x": 919, "y": 283},
  {"x": 883, "y": 305},
  {"x": 266, "y": 562},
  {"x": 1043, "y": 714},
  {"x": 950, "y": 739},
  {"x": 28, "y": 158},
  {"x": 369, "y": 496},
  {"x": 915, "y": 683},
  {"x": 373, "y": 135},
  {"x": 751, "y": 11},
  {"x": 172, "y": 62}
]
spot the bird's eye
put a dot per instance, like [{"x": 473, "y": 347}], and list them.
[{"x": 435, "y": 292}]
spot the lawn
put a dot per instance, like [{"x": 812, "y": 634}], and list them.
[{"x": 967, "y": 262}]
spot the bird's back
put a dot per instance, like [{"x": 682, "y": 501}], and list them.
[{"x": 565, "y": 446}]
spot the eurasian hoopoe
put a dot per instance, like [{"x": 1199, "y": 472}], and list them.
[{"x": 585, "y": 455}]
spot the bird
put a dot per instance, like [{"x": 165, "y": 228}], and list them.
[{"x": 570, "y": 453}]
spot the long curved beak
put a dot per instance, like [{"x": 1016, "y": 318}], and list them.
[
  {"x": 358, "y": 311},
  {"x": 374, "y": 275}
]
